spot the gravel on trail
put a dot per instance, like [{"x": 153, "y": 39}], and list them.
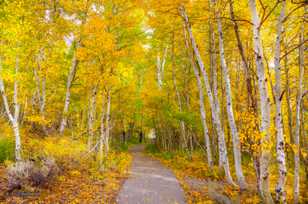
[{"x": 150, "y": 182}]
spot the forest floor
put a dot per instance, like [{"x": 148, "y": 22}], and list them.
[
  {"x": 79, "y": 181},
  {"x": 76, "y": 187},
  {"x": 204, "y": 185},
  {"x": 201, "y": 184},
  {"x": 150, "y": 182}
]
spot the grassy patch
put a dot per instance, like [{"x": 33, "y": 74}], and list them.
[
  {"x": 151, "y": 149},
  {"x": 6, "y": 149}
]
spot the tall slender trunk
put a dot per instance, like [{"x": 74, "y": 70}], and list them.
[
  {"x": 215, "y": 112},
  {"x": 280, "y": 144},
  {"x": 40, "y": 85},
  {"x": 91, "y": 116},
  {"x": 201, "y": 103},
  {"x": 102, "y": 133},
  {"x": 13, "y": 118},
  {"x": 183, "y": 141},
  {"x": 70, "y": 79},
  {"x": 43, "y": 97},
  {"x": 40, "y": 91},
  {"x": 213, "y": 68},
  {"x": 251, "y": 98},
  {"x": 264, "y": 103},
  {"x": 16, "y": 114},
  {"x": 297, "y": 117},
  {"x": 107, "y": 133},
  {"x": 288, "y": 97},
  {"x": 235, "y": 136},
  {"x": 160, "y": 64}
]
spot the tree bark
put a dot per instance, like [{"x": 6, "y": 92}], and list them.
[
  {"x": 280, "y": 144},
  {"x": 41, "y": 92},
  {"x": 201, "y": 103},
  {"x": 160, "y": 67},
  {"x": 213, "y": 78},
  {"x": 215, "y": 112},
  {"x": 13, "y": 118},
  {"x": 251, "y": 99},
  {"x": 264, "y": 103},
  {"x": 91, "y": 116},
  {"x": 107, "y": 133},
  {"x": 178, "y": 98},
  {"x": 298, "y": 119},
  {"x": 288, "y": 97},
  {"x": 70, "y": 79},
  {"x": 102, "y": 134},
  {"x": 231, "y": 119},
  {"x": 16, "y": 114}
]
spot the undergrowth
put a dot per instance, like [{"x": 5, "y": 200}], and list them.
[
  {"x": 192, "y": 168},
  {"x": 81, "y": 179},
  {"x": 6, "y": 149}
]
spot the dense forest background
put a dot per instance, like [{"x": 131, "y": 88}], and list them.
[{"x": 222, "y": 86}]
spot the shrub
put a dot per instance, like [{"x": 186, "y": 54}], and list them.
[
  {"x": 67, "y": 152},
  {"x": 24, "y": 174},
  {"x": 167, "y": 155},
  {"x": 151, "y": 148},
  {"x": 6, "y": 149},
  {"x": 121, "y": 148}
]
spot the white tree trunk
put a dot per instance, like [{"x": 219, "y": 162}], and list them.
[
  {"x": 235, "y": 136},
  {"x": 40, "y": 91},
  {"x": 91, "y": 116},
  {"x": 107, "y": 133},
  {"x": 215, "y": 112},
  {"x": 69, "y": 82},
  {"x": 43, "y": 100},
  {"x": 264, "y": 104},
  {"x": 102, "y": 133},
  {"x": 280, "y": 144},
  {"x": 213, "y": 68},
  {"x": 160, "y": 65},
  {"x": 16, "y": 114},
  {"x": 179, "y": 101},
  {"x": 297, "y": 118},
  {"x": 40, "y": 88},
  {"x": 201, "y": 103},
  {"x": 12, "y": 118}
]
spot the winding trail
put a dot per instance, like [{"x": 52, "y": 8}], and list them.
[{"x": 150, "y": 182}]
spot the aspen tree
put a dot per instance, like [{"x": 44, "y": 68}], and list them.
[
  {"x": 280, "y": 143},
  {"x": 264, "y": 105},
  {"x": 215, "y": 112}
]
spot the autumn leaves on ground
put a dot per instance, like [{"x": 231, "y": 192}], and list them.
[{"x": 216, "y": 89}]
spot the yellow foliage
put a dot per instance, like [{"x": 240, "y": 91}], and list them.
[
  {"x": 38, "y": 119},
  {"x": 62, "y": 149},
  {"x": 74, "y": 173}
]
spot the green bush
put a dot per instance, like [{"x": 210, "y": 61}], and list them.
[
  {"x": 123, "y": 147},
  {"x": 6, "y": 149},
  {"x": 134, "y": 140},
  {"x": 151, "y": 148},
  {"x": 167, "y": 155}
]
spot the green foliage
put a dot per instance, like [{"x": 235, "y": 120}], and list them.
[
  {"x": 189, "y": 118},
  {"x": 133, "y": 140},
  {"x": 6, "y": 149},
  {"x": 151, "y": 149},
  {"x": 122, "y": 147},
  {"x": 167, "y": 155}
]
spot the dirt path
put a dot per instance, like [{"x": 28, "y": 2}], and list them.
[{"x": 150, "y": 182}]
